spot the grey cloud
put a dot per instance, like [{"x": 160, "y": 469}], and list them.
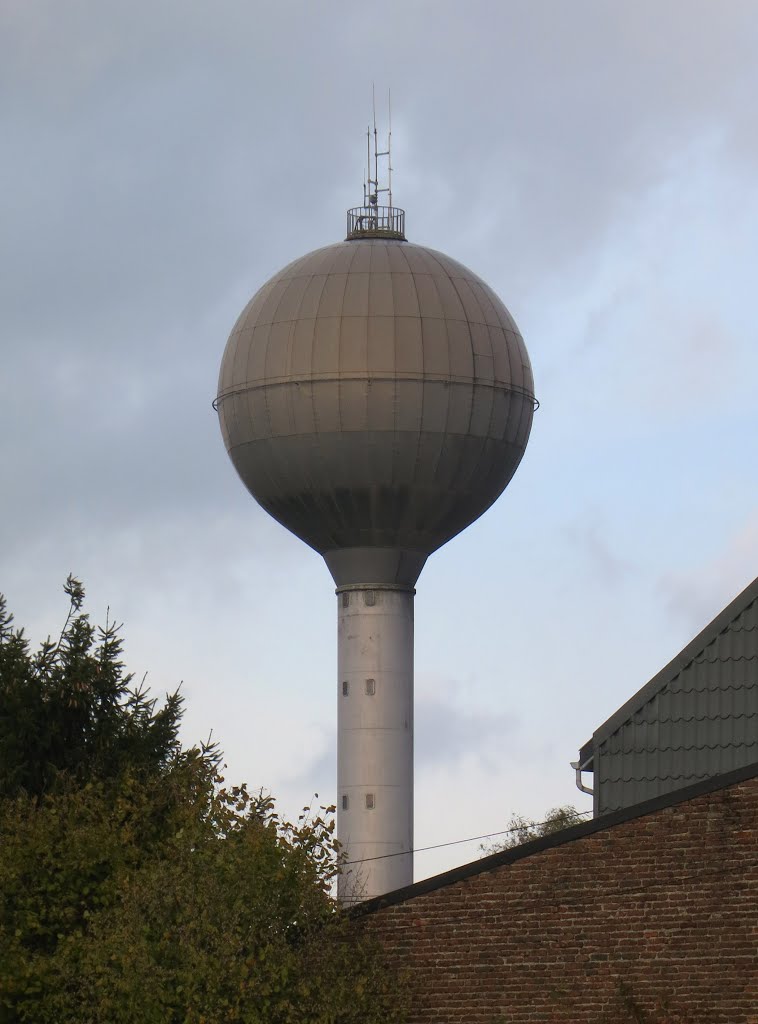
[
  {"x": 320, "y": 772},
  {"x": 446, "y": 732},
  {"x": 695, "y": 596},
  {"x": 605, "y": 565}
]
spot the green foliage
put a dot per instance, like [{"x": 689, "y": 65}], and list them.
[
  {"x": 134, "y": 885},
  {"x": 69, "y": 710},
  {"x": 523, "y": 830}
]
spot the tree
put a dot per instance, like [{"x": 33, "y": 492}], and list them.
[
  {"x": 135, "y": 885},
  {"x": 69, "y": 711},
  {"x": 523, "y": 830}
]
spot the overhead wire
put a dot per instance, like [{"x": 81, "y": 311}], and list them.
[{"x": 458, "y": 842}]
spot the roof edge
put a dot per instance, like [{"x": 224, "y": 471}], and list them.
[
  {"x": 672, "y": 669},
  {"x": 587, "y": 755},
  {"x": 568, "y": 835}
]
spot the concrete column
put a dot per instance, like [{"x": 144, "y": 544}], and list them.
[{"x": 375, "y": 739}]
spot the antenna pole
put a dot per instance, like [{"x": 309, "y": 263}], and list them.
[
  {"x": 389, "y": 146},
  {"x": 376, "y": 146},
  {"x": 368, "y": 163}
]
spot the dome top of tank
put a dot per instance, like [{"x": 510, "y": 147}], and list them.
[{"x": 375, "y": 397}]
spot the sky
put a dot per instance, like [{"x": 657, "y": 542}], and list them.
[{"x": 595, "y": 163}]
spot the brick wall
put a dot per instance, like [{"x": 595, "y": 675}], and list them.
[{"x": 651, "y": 918}]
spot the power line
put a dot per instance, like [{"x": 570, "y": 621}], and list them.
[{"x": 457, "y": 842}]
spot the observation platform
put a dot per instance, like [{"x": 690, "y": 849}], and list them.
[{"x": 376, "y": 222}]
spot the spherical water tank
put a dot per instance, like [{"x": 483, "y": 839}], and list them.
[{"x": 375, "y": 397}]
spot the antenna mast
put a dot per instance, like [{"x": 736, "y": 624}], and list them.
[
  {"x": 375, "y": 220},
  {"x": 374, "y": 191},
  {"x": 389, "y": 145},
  {"x": 367, "y": 171},
  {"x": 376, "y": 149}
]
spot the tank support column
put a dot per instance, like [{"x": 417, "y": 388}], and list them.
[{"x": 375, "y": 739}]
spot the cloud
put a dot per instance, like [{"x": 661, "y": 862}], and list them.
[
  {"x": 150, "y": 188},
  {"x": 697, "y": 594},
  {"x": 320, "y": 772},
  {"x": 447, "y": 732},
  {"x": 605, "y": 565},
  {"x": 444, "y": 732}
]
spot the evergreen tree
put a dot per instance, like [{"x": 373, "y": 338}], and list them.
[{"x": 70, "y": 712}]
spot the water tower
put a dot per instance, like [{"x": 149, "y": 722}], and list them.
[{"x": 375, "y": 397}]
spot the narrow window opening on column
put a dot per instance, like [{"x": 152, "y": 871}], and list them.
[
  {"x": 345, "y": 600},
  {"x": 345, "y": 802},
  {"x": 370, "y": 687},
  {"x": 369, "y": 597},
  {"x": 345, "y": 688},
  {"x": 370, "y": 802}
]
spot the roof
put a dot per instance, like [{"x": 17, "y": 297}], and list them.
[
  {"x": 661, "y": 682},
  {"x": 587, "y": 828}
]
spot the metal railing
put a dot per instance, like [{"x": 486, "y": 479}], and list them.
[{"x": 376, "y": 222}]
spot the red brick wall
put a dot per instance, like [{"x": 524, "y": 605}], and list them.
[{"x": 651, "y": 920}]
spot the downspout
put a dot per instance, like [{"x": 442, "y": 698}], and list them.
[{"x": 579, "y": 768}]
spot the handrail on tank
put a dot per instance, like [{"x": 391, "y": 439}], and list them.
[{"x": 376, "y": 222}]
